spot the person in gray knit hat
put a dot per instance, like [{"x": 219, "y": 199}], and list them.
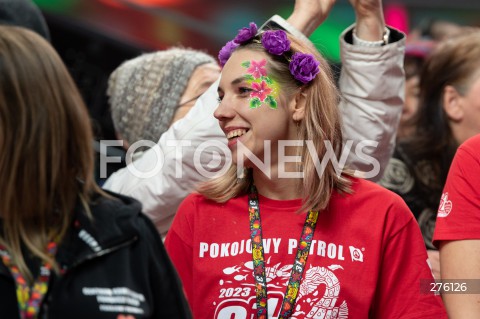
[
  {"x": 148, "y": 93},
  {"x": 23, "y": 13}
]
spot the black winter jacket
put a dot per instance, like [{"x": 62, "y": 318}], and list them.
[{"x": 113, "y": 267}]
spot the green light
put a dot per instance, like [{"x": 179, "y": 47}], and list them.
[
  {"x": 56, "y": 5},
  {"x": 327, "y": 37}
]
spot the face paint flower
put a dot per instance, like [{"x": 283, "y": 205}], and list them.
[
  {"x": 260, "y": 90},
  {"x": 257, "y": 69}
]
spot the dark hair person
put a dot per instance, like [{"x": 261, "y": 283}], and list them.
[
  {"x": 68, "y": 249},
  {"x": 448, "y": 114}
]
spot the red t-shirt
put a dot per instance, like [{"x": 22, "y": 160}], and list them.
[
  {"x": 366, "y": 260},
  {"x": 458, "y": 215}
]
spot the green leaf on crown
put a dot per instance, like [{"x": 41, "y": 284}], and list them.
[{"x": 246, "y": 64}]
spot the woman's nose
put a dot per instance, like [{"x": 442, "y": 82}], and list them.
[{"x": 224, "y": 111}]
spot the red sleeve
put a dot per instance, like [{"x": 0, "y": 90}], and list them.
[
  {"x": 179, "y": 244},
  {"x": 458, "y": 215},
  {"x": 404, "y": 266}
]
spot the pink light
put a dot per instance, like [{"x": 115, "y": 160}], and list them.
[{"x": 396, "y": 15}]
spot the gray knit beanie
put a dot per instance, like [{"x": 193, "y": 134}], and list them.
[
  {"x": 144, "y": 92},
  {"x": 23, "y": 13}
]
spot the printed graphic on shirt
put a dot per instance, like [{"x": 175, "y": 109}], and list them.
[
  {"x": 319, "y": 292},
  {"x": 311, "y": 302},
  {"x": 356, "y": 254},
  {"x": 276, "y": 245},
  {"x": 445, "y": 206},
  {"x": 121, "y": 300}
]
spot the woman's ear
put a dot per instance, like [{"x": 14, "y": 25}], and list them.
[
  {"x": 452, "y": 103},
  {"x": 297, "y": 106}
]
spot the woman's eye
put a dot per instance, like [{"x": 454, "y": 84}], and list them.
[
  {"x": 219, "y": 98},
  {"x": 244, "y": 90}
]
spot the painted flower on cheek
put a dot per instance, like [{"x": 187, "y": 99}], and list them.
[
  {"x": 260, "y": 90},
  {"x": 257, "y": 68},
  {"x": 264, "y": 89}
]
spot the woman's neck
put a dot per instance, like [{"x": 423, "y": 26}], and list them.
[{"x": 276, "y": 187}]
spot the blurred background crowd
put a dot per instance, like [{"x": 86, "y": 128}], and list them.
[{"x": 93, "y": 37}]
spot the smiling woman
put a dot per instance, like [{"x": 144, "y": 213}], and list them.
[{"x": 277, "y": 91}]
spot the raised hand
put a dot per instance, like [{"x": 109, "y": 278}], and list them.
[
  {"x": 370, "y": 23},
  {"x": 308, "y": 15}
]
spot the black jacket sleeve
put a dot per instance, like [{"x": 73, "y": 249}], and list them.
[{"x": 168, "y": 293}]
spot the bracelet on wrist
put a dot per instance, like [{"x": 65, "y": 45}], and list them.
[{"x": 358, "y": 41}]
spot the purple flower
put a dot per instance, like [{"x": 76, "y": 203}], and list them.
[
  {"x": 245, "y": 34},
  {"x": 275, "y": 42},
  {"x": 304, "y": 67},
  {"x": 226, "y": 52}
]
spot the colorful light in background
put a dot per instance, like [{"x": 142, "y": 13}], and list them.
[
  {"x": 396, "y": 15},
  {"x": 58, "y": 6},
  {"x": 207, "y": 24},
  {"x": 148, "y": 3},
  {"x": 327, "y": 37}
]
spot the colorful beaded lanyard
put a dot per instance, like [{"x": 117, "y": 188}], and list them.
[
  {"x": 303, "y": 250},
  {"x": 29, "y": 298}
]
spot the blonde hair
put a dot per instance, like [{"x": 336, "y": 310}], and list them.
[
  {"x": 321, "y": 123},
  {"x": 46, "y": 155}
]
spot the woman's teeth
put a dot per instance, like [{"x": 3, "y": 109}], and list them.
[{"x": 236, "y": 133}]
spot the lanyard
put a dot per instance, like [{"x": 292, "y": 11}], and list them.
[
  {"x": 30, "y": 298},
  {"x": 303, "y": 250}
]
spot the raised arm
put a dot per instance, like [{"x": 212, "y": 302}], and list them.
[
  {"x": 369, "y": 20},
  {"x": 371, "y": 82},
  {"x": 372, "y": 86},
  {"x": 308, "y": 15},
  {"x": 460, "y": 262}
]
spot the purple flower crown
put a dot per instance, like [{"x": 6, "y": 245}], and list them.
[{"x": 303, "y": 66}]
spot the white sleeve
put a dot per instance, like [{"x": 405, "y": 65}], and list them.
[
  {"x": 161, "y": 193},
  {"x": 372, "y": 85}
]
